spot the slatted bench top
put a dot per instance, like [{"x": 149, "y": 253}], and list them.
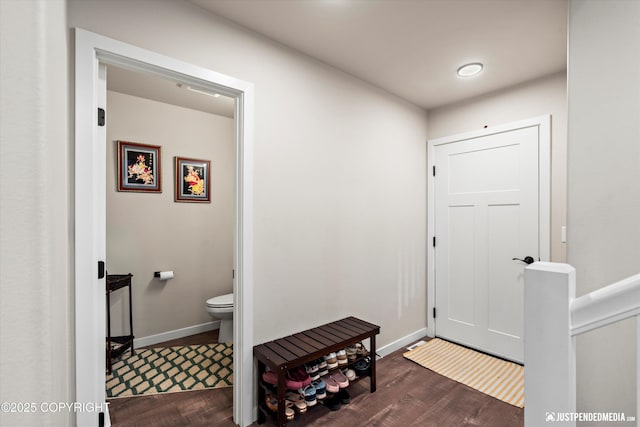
[{"x": 297, "y": 349}]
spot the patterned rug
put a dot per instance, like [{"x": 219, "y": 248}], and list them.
[
  {"x": 490, "y": 375},
  {"x": 171, "y": 369}
]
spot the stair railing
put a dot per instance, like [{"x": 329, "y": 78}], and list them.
[{"x": 553, "y": 318}]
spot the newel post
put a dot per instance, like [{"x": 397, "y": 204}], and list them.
[{"x": 549, "y": 348}]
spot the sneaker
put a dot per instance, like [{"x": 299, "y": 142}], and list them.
[
  {"x": 309, "y": 393},
  {"x": 331, "y": 358},
  {"x": 349, "y": 373},
  {"x": 321, "y": 389}
]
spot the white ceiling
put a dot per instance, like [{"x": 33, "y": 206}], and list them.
[
  {"x": 148, "y": 86},
  {"x": 412, "y": 48}
]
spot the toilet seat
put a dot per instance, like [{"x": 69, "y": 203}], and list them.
[{"x": 222, "y": 301}]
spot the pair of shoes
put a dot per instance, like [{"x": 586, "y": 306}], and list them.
[
  {"x": 335, "y": 381},
  {"x": 340, "y": 398},
  {"x": 296, "y": 378},
  {"x": 332, "y": 360},
  {"x": 272, "y": 404},
  {"x": 342, "y": 357},
  {"x": 363, "y": 366}
]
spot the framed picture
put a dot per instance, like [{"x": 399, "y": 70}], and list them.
[
  {"x": 139, "y": 167},
  {"x": 193, "y": 180}
]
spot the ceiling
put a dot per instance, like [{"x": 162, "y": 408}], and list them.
[
  {"x": 149, "y": 86},
  {"x": 412, "y": 48}
]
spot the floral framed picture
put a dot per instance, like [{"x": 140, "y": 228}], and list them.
[
  {"x": 193, "y": 180},
  {"x": 139, "y": 167}
]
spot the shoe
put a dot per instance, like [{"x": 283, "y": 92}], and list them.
[
  {"x": 272, "y": 402},
  {"x": 321, "y": 363},
  {"x": 298, "y": 401},
  {"x": 344, "y": 397},
  {"x": 331, "y": 358},
  {"x": 288, "y": 410},
  {"x": 342, "y": 357},
  {"x": 333, "y": 403},
  {"x": 361, "y": 350},
  {"x": 331, "y": 384},
  {"x": 309, "y": 393},
  {"x": 352, "y": 352},
  {"x": 342, "y": 381},
  {"x": 323, "y": 371},
  {"x": 270, "y": 377},
  {"x": 311, "y": 368},
  {"x": 363, "y": 366},
  {"x": 297, "y": 377},
  {"x": 321, "y": 389},
  {"x": 349, "y": 373}
]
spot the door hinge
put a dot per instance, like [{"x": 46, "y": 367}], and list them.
[
  {"x": 100, "y": 269},
  {"x": 434, "y": 312},
  {"x": 101, "y": 117},
  {"x": 434, "y": 171},
  {"x": 434, "y": 241},
  {"x": 233, "y": 274}
]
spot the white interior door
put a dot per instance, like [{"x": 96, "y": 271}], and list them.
[{"x": 487, "y": 212}]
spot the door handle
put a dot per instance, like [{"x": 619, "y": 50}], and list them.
[{"x": 526, "y": 260}]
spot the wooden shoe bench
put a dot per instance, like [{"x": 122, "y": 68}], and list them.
[{"x": 295, "y": 350}]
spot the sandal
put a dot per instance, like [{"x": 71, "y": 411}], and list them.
[
  {"x": 297, "y": 402},
  {"x": 288, "y": 410},
  {"x": 272, "y": 402}
]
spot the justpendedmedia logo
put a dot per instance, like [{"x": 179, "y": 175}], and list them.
[{"x": 587, "y": 416}]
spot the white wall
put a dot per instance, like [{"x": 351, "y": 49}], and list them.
[
  {"x": 543, "y": 96},
  {"x": 36, "y": 344},
  {"x": 340, "y": 172},
  {"x": 150, "y": 232},
  {"x": 604, "y": 186}
]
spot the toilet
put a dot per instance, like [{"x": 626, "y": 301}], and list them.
[{"x": 222, "y": 308}]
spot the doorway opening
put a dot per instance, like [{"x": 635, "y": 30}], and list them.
[
  {"x": 93, "y": 54},
  {"x": 159, "y": 220}
]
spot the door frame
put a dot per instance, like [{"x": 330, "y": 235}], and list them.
[
  {"x": 543, "y": 123},
  {"x": 92, "y": 50}
]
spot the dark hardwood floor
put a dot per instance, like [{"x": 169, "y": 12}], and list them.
[{"x": 407, "y": 395}]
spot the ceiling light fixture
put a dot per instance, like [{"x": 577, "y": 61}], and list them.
[
  {"x": 468, "y": 70},
  {"x": 215, "y": 95}
]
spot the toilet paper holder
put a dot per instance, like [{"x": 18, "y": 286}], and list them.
[{"x": 163, "y": 275}]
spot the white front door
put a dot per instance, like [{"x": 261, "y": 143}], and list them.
[{"x": 486, "y": 213}]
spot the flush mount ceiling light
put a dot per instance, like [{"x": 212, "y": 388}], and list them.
[
  {"x": 468, "y": 70},
  {"x": 215, "y": 95}
]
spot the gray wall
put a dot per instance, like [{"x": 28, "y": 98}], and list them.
[
  {"x": 543, "y": 96},
  {"x": 150, "y": 232},
  {"x": 604, "y": 186},
  {"x": 340, "y": 172},
  {"x": 36, "y": 220}
]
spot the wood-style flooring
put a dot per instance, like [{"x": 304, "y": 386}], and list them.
[{"x": 407, "y": 395}]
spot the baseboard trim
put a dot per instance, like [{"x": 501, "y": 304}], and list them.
[
  {"x": 401, "y": 342},
  {"x": 177, "y": 333}
]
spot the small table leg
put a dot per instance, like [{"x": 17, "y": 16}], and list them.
[
  {"x": 372, "y": 342},
  {"x": 282, "y": 417}
]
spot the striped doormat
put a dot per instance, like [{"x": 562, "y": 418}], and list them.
[
  {"x": 490, "y": 375},
  {"x": 171, "y": 369}
]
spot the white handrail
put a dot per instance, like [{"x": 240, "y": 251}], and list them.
[{"x": 613, "y": 303}]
